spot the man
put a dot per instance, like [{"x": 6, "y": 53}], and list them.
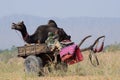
[{"x": 53, "y": 41}]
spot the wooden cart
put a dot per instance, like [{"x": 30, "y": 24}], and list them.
[{"x": 38, "y": 56}]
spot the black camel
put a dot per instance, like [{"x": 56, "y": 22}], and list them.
[{"x": 41, "y": 33}]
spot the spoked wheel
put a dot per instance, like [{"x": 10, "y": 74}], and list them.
[
  {"x": 93, "y": 59},
  {"x": 33, "y": 64}
]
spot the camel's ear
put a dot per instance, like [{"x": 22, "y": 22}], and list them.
[{"x": 52, "y": 23}]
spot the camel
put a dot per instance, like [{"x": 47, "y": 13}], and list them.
[{"x": 41, "y": 33}]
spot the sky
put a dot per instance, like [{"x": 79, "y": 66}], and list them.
[{"x": 61, "y": 8}]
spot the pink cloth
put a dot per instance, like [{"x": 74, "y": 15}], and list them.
[
  {"x": 68, "y": 50},
  {"x": 71, "y": 54}
]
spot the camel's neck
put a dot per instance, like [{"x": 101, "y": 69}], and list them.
[{"x": 25, "y": 34}]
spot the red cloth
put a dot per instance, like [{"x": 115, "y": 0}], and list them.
[{"x": 72, "y": 58}]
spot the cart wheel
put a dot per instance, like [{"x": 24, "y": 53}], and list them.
[
  {"x": 93, "y": 59},
  {"x": 33, "y": 64},
  {"x": 61, "y": 66}
]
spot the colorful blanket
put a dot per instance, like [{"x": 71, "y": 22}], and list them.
[{"x": 71, "y": 54}]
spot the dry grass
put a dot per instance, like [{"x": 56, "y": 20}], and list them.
[{"x": 109, "y": 69}]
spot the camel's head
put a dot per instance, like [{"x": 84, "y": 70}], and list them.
[{"x": 19, "y": 26}]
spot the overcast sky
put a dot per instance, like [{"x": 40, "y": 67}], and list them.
[
  {"x": 58, "y": 8},
  {"x": 61, "y": 8}
]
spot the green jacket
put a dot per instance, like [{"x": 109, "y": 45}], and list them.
[{"x": 51, "y": 38}]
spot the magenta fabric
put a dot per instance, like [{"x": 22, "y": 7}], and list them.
[
  {"x": 71, "y": 54},
  {"x": 78, "y": 57},
  {"x": 69, "y": 49}
]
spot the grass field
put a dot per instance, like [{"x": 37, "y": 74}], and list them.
[{"x": 109, "y": 69}]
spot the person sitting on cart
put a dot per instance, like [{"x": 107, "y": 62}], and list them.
[{"x": 53, "y": 41}]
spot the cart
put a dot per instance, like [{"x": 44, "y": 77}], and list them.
[{"x": 38, "y": 57}]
